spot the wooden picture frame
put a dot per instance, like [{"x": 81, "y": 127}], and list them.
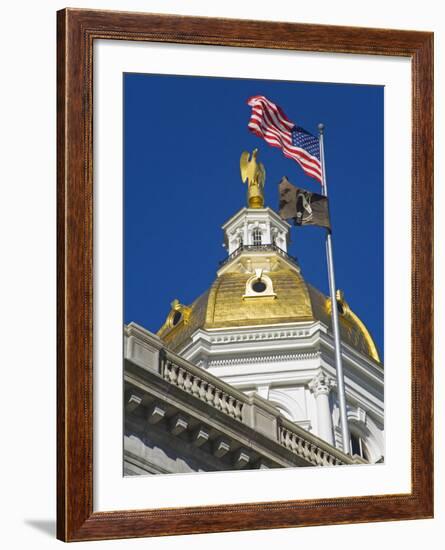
[{"x": 77, "y": 31}]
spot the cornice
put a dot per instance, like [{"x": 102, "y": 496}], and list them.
[
  {"x": 254, "y": 334},
  {"x": 263, "y": 359}
]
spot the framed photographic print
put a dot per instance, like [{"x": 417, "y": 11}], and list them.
[{"x": 206, "y": 381}]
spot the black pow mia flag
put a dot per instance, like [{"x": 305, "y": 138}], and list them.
[{"x": 303, "y": 207}]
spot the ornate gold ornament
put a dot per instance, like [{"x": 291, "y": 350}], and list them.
[
  {"x": 348, "y": 315},
  {"x": 254, "y": 174},
  {"x": 179, "y": 312}
]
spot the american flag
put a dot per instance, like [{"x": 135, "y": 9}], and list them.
[{"x": 269, "y": 122}]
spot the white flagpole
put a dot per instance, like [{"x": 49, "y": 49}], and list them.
[{"x": 335, "y": 325}]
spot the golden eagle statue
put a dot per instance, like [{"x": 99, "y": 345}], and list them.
[{"x": 254, "y": 173}]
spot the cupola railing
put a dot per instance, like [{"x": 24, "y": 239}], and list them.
[{"x": 259, "y": 248}]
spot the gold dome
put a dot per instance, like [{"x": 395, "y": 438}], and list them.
[{"x": 225, "y": 306}]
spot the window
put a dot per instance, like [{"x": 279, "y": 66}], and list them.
[
  {"x": 357, "y": 447},
  {"x": 256, "y": 236},
  {"x": 259, "y": 286}
]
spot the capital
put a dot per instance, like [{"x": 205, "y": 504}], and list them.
[{"x": 321, "y": 384}]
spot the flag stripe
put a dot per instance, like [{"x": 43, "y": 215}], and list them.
[
  {"x": 269, "y": 122},
  {"x": 275, "y": 119},
  {"x": 261, "y": 100}
]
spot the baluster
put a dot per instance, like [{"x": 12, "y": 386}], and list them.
[
  {"x": 223, "y": 402},
  {"x": 283, "y": 437},
  {"x": 209, "y": 394},
  {"x": 188, "y": 382},
  {"x": 180, "y": 381},
  {"x": 216, "y": 400},
  {"x": 313, "y": 453},
  {"x": 173, "y": 374},
  {"x": 195, "y": 386},
  {"x": 230, "y": 407},
  {"x": 202, "y": 390},
  {"x": 166, "y": 370},
  {"x": 288, "y": 439},
  {"x": 238, "y": 410},
  {"x": 306, "y": 450},
  {"x": 300, "y": 446}
]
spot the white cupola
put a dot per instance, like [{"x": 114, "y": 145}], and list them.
[{"x": 255, "y": 227}]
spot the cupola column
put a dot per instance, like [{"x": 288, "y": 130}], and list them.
[{"x": 321, "y": 386}]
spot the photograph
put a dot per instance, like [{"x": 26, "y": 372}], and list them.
[
  {"x": 251, "y": 206},
  {"x": 244, "y": 275}
]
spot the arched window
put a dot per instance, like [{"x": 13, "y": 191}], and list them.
[{"x": 256, "y": 236}]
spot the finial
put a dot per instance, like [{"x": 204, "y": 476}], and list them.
[
  {"x": 321, "y": 127},
  {"x": 254, "y": 174}
]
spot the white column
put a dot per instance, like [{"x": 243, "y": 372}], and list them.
[
  {"x": 268, "y": 233},
  {"x": 320, "y": 386},
  {"x": 246, "y": 234}
]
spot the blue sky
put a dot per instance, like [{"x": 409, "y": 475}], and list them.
[{"x": 183, "y": 137}]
